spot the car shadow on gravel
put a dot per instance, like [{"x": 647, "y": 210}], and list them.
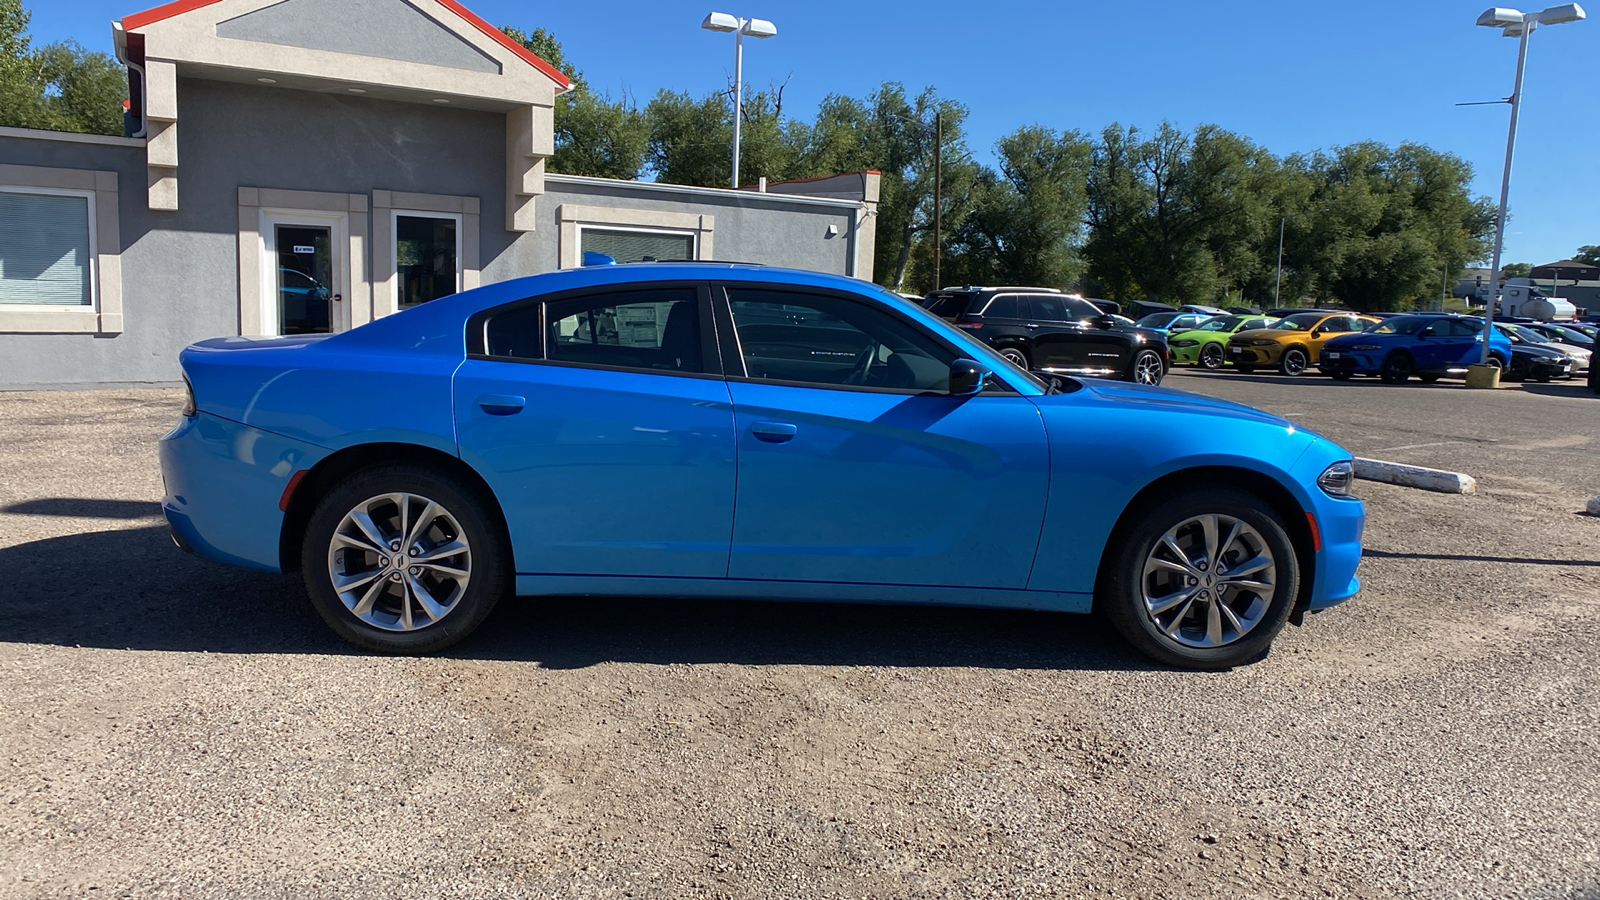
[
  {"x": 1577, "y": 389},
  {"x": 132, "y": 589}
]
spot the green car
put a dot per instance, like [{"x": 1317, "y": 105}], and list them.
[{"x": 1204, "y": 345}]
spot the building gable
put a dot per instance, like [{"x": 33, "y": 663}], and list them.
[{"x": 382, "y": 29}]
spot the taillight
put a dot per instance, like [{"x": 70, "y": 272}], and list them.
[
  {"x": 188, "y": 398},
  {"x": 972, "y": 325}
]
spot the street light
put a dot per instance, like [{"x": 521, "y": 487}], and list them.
[
  {"x": 756, "y": 28},
  {"x": 1517, "y": 24}
]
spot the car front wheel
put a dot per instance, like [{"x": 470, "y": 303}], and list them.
[
  {"x": 1294, "y": 361},
  {"x": 1396, "y": 369},
  {"x": 1205, "y": 580},
  {"x": 1211, "y": 356},
  {"x": 401, "y": 559},
  {"x": 1147, "y": 367}
]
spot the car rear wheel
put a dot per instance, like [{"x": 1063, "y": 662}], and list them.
[
  {"x": 1339, "y": 376},
  {"x": 1211, "y": 356},
  {"x": 1243, "y": 370},
  {"x": 1294, "y": 362},
  {"x": 1147, "y": 367},
  {"x": 1396, "y": 369},
  {"x": 1017, "y": 357},
  {"x": 1594, "y": 379},
  {"x": 1205, "y": 580},
  {"x": 1427, "y": 379},
  {"x": 401, "y": 559}
]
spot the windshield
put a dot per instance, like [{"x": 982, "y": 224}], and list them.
[
  {"x": 1528, "y": 334},
  {"x": 947, "y": 306},
  {"x": 1300, "y": 322},
  {"x": 1401, "y": 325},
  {"x": 1566, "y": 334},
  {"x": 1222, "y": 323},
  {"x": 1156, "y": 320}
]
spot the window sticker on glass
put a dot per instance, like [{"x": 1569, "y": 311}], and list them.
[{"x": 304, "y": 248}]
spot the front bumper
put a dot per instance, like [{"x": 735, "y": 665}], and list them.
[
  {"x": 1254, "y": 356},
  {"x": 1356, "y": 362},
  {"x": 224, "y": 481}
]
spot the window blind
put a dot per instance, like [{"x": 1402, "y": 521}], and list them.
[
  {"x": 44, "y": 250},
  {"x": 633, "y": 246}
]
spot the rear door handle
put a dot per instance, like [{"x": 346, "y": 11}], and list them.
[
  {"x": 774, "y": 432},
  {"x": 502, "y": 404},
  {"x": 1030, "y": 326}
]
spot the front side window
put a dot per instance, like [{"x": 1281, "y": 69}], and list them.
[
  {"x": 833, "y": 342},
  {"x": 1078, "y": 310},
  {"x": 426, "y": 257},
  {"x": 45, "y": 250}
]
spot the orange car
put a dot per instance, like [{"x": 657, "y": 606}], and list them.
[{"x": 1294, "y": 343}]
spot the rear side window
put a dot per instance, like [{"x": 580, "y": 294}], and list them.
[
  {"x": 1048, "y": 308},
  {"x": 639, "y": 329},
  {"x": 1006, "y": 306}
]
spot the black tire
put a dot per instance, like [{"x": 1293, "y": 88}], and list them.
[
  {"x": 487, "y": 560},
  {"x": 1120, "y": 592},
  {"x": 1243, "y": 370},
  {"x": 1019, "y": 357},
  {"x": 1146, "y": 367},
  {"x": 1427, "y": 379},
  {"x": 1294, "y": 361},
  {"x": 1396, "y": 368},
  {"x": 1211, "y": 357},
  {"x": 1543, "y": 379},
  {"x": 1594, "y": 379},
  {"x": 1339, "y": 376}
]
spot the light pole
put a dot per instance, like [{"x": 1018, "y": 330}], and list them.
[
  {"x": 1517, "y": 24},
  {"x": 756, "y": 28}
]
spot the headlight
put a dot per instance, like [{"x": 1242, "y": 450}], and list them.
[
  {"x": 1261, "y": 343},
  {"x": 1360, "y": 347},
  {"x": 1184, "y": 343},
  {"x": 1338, "y": 478}
]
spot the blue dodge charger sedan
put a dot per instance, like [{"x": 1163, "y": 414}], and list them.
[
  {"x": 696, "y": 430},
  {"x": 1427, "y": 345}
]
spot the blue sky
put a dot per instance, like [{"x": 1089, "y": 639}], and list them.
[{"x": 1293, "y": 75}]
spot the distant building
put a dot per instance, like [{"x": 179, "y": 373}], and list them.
[{"x": 305, "y": 166}]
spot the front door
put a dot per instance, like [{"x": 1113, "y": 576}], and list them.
[
  {"x": 303, "y": 291},
  {"x": 870, "y": 472}
]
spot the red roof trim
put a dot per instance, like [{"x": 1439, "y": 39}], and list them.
[
  {"x": 164, "y": 11},
  {"x": 500, "y": 37},
  {"x": 179, "y": 7}
]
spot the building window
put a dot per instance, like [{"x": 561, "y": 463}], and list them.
[
  {"x": 47, "y": 249},
  {"x": 631, "y": 245},
  {"x": 427, "y": 257}
]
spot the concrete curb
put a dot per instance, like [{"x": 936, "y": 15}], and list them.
[{"x": 1415, "y": 477}]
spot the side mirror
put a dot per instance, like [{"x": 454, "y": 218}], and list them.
[
  {"x": 1316, "y": 333},
  {"x": 967, "y": 377},
  {"x": 1104, "y": 322}
]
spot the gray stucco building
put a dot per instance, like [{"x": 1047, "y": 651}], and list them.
[{"x": 309, "y": 165}]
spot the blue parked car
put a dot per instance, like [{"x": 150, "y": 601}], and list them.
[
  {"x": 1427, "y": 345},
  {"x": 707, "y": 430}
]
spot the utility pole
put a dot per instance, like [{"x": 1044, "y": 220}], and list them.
[
  {"x": 1278, "y": 281},
  {"x": 938, "y": 193}
]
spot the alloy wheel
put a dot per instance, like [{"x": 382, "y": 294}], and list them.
[
  {"x": 1211, "y": 356},
  {"x": 399, "y": 562},
  {"x": 1147, "y": 369},
  {"x": 1209, "y": 581},
  {"x": 1016, "y": 357},
  {"x": 1294, "y": 362}
]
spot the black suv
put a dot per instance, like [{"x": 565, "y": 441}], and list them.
[{"x": 1045, "y": 330}]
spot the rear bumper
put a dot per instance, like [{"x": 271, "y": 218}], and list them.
[{"x": 224, "y": 481}]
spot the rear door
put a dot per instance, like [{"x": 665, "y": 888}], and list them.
[
  {"x": 602, "y": 424},
  {"x": 1069, "y": 339},
  {"x": 875, "y": 475}
]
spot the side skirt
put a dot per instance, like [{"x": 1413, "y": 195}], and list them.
[{"x": 796, "y": 591}]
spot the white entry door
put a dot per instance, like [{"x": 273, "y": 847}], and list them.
[{"x": 304, "y": 272}]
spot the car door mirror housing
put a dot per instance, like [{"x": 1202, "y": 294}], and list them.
[
  {"x": 1316, "y": 333},
  {"x": 967, "y": 377},
  {"x": 1104, "y": 322}
]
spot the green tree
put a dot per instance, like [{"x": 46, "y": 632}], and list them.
[
  {"x": 1027, "y": 218},
  {"x": 57, "y": 87},
  {"x": 1588, "y": 253},
  {"x": 594, "y": 135},
  {"x": 1516, "y": 270}
]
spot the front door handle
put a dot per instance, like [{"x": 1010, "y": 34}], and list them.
[
  {"x": 774, "y": 432},
  {"x": 1030, "y": 327},
  {"x": 502, "y": 404}
]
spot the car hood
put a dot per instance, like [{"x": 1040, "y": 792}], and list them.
[
  {"x": 1174, "y": 400},
  {"x": 1276, "y": 334}
]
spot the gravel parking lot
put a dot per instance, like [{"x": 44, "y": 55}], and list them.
[{"x": 174, "y": 728}]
